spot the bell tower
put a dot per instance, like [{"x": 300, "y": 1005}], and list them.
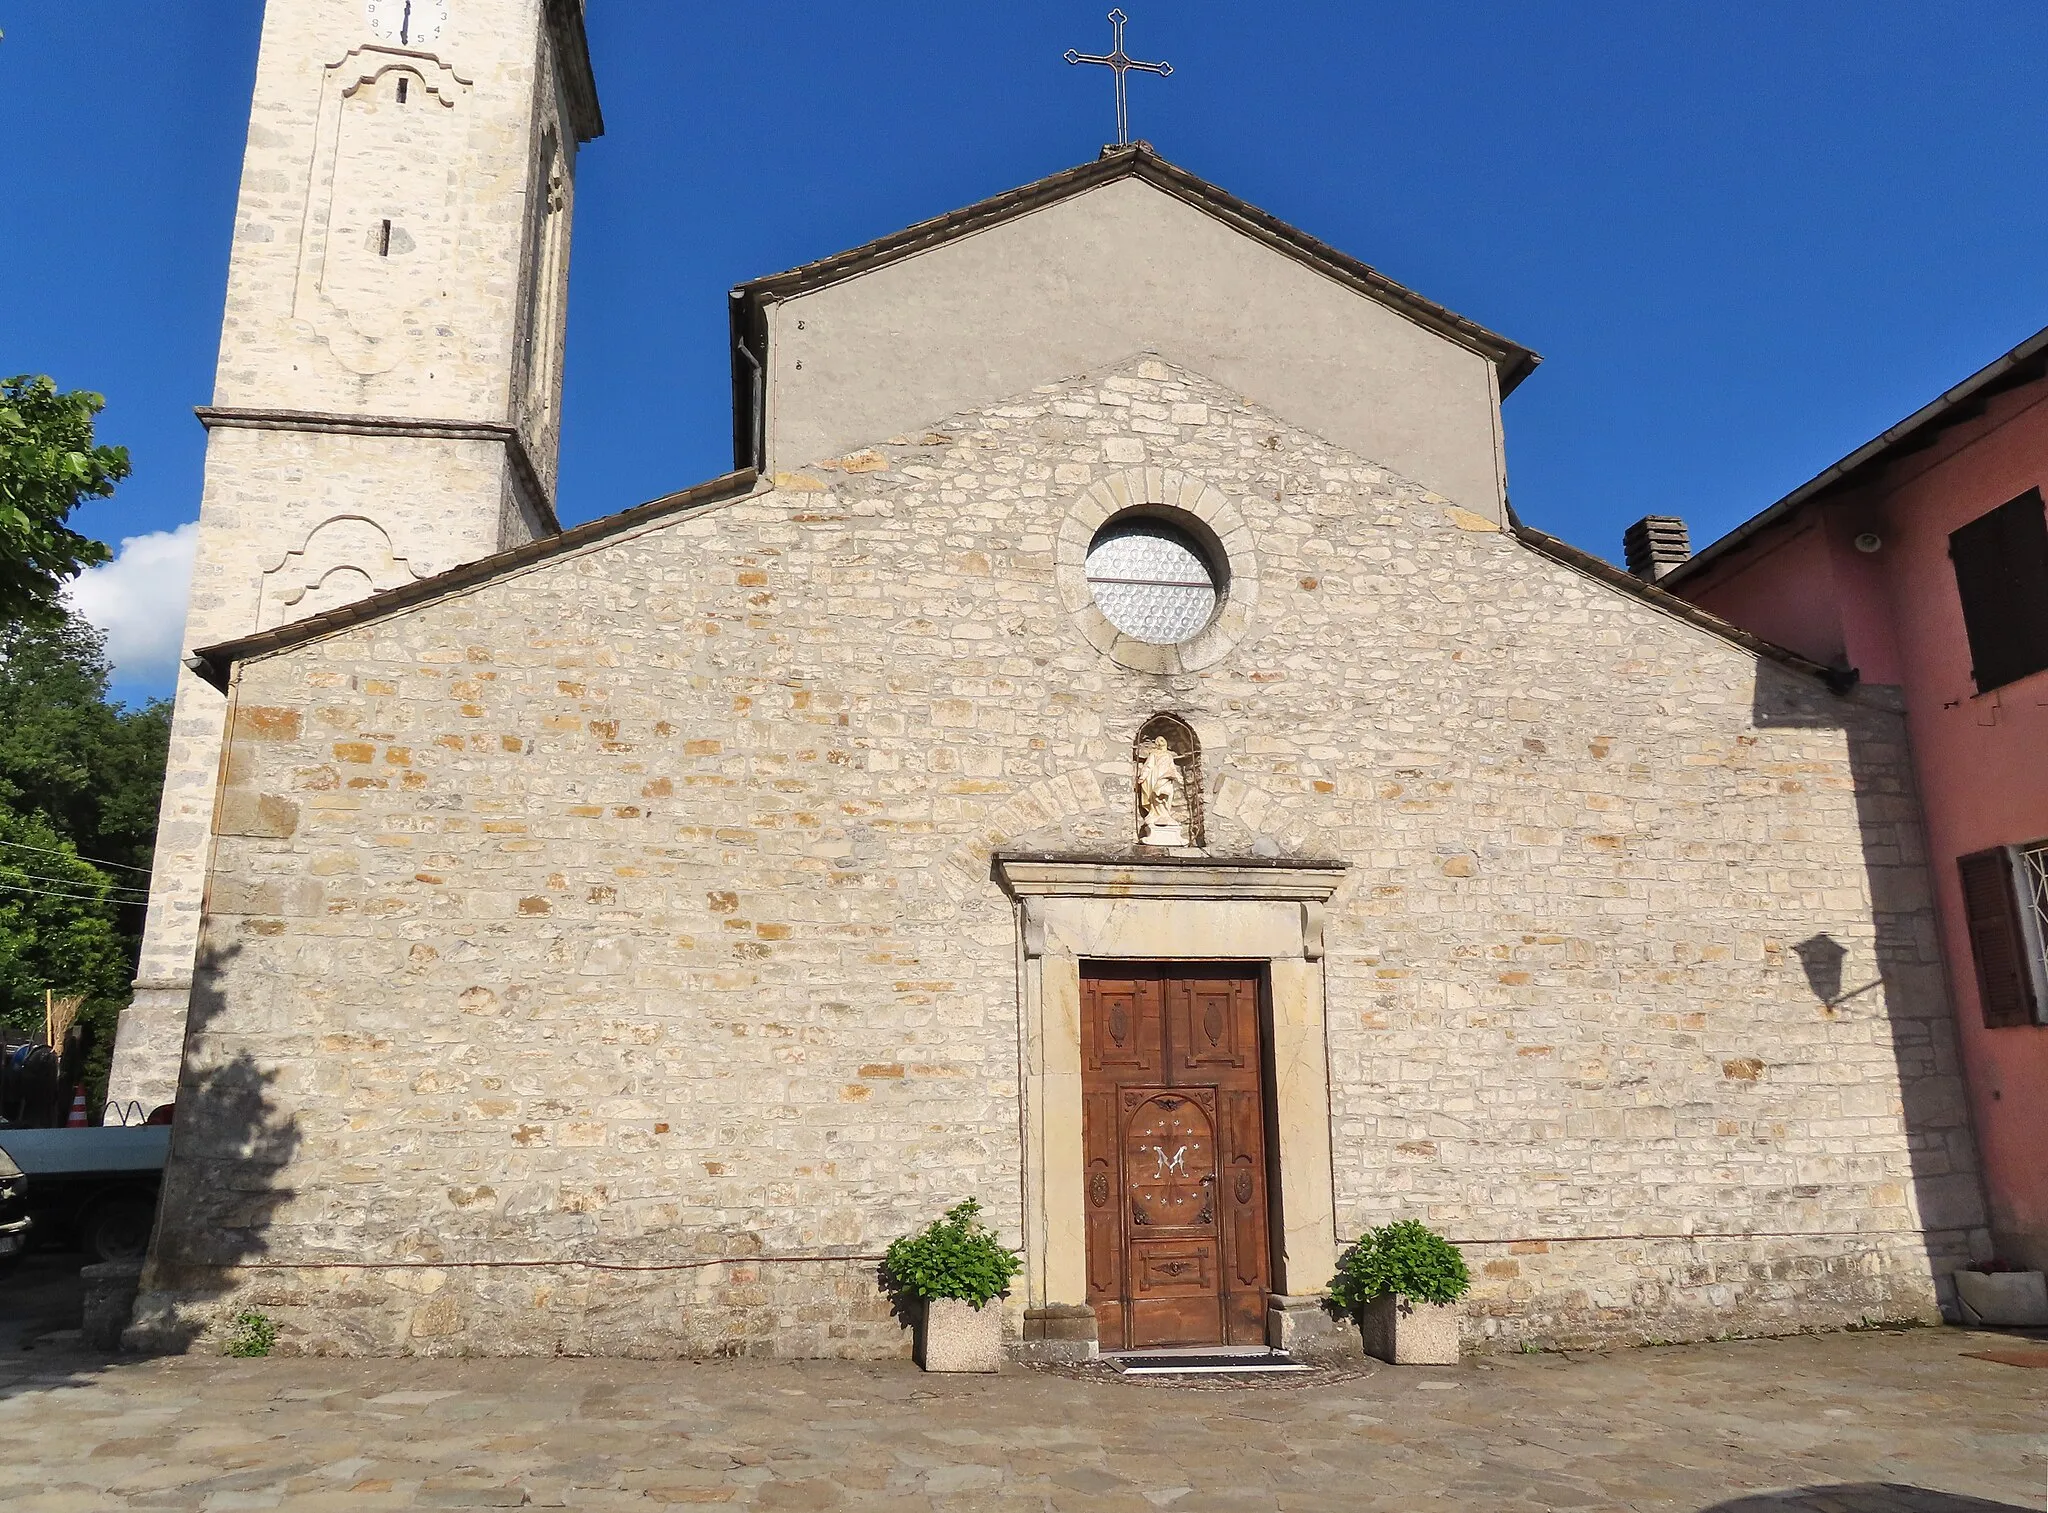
[{"x": 387, "y": 400}]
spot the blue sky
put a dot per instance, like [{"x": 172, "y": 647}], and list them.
[{"x": 1746, "y": 236}]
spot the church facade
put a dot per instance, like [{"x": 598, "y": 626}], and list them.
[{"x": 1108, "y": 751}]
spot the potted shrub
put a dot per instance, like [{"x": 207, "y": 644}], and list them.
[
  {"x": 1400, "y": 1282},
  {"x": 2003, "y": 1295},
  {"x": 955, "y": 1270}
]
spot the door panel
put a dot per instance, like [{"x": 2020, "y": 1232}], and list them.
[
  {"x": 1121, "y": 1029},
  {"x": 1212, "y": 1032},
  {"x": 1174, "y": 1143}
]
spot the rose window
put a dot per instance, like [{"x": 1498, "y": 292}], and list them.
[{"x": 1152, "y": 580}]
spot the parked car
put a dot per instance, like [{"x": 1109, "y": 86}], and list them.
[
  {"x": 96, "y": 1188},
  {"x": 15, "y": 1222}
]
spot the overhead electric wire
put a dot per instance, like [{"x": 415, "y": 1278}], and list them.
[
  {"x": 90, "y": 898},
  {"x": 49, "y": 851},
  {"x": 69, "y": 882}
]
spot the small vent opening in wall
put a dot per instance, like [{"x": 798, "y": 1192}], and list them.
[
  {"x": 402, "y": 83},
  {"x": 384, "y": 241}
]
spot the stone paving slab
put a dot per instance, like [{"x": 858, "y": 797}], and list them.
[{"x": 1881, "y": 1422}]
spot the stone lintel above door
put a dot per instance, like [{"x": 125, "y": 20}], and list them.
[{"x": 1119, "y": 907}]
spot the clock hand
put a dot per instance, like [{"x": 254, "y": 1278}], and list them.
[{"x": 405, "y": 25}]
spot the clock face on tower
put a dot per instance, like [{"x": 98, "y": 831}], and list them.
[{"x": 409, "y": 23}]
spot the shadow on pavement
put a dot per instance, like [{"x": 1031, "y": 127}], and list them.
[
  {"x": 1862, "y": 1497},
  {"x": 42, "y": 1304},
  {"x": 42, "y": 1296}
]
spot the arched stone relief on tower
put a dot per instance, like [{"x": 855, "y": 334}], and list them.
[
  {"x": 341, "y": 560},
  {"x": 382, "y": 236},
  {"x": 1167, "y": 783}
]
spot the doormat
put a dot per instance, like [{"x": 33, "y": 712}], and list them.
[
  {"x": 1203, "y": 1365},
  {"x": 2037, "y": 1358},
  {"x": 1107, "y": 1372}
]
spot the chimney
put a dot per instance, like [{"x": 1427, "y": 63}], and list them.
[{"x": 1655, "y": 545}]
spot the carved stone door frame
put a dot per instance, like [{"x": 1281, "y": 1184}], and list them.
[{"x": 1268, "y": 914}]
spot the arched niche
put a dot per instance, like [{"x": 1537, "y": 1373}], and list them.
[{"x": 1186, "y": 747}]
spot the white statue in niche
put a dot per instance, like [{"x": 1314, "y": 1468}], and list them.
[{"x": 1159, "y": 795}]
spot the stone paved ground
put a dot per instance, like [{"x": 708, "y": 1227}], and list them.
[{"x": 1880, "y": 1421}]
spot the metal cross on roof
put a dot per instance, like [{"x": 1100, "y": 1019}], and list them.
[{"x": 1122, "y": 63}]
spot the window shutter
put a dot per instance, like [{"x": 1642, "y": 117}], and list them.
[
  {"x": 2003, "y": 987},
  {"x": 2001, "y": 563}
]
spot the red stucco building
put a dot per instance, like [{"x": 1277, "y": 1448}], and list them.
[{"x": 1921, "y": 561}]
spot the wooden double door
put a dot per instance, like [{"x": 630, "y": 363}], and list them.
[{"x": 1174, "y": 1136}]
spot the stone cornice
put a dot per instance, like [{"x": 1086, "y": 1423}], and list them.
[
  {"x": 1049, "y": 886},
  {"x": 1246, "y": 878},
  {"x": 237, "y": 418}
]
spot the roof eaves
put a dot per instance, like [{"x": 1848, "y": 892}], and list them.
[
  {"x": 2023, "y": 364},
  {"x": 579, "y": 79},
  {"x": 215, "y": 663},
  {"x": 1837, "y": 679},
  {"x": 1514, "y": 361},
  {"x": 937, "y": 230}
]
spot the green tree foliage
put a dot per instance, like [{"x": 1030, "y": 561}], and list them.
[
  {"x": 953, "y": 1257},
  {"x": 57, "y": 925},
  {"x": 49, "y": 465},
  {"x": 94, "y": 768},
  {"x": 80, "y": 777},
  {"x": 1405, "y": 1258}
]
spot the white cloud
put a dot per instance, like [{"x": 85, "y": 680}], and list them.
[{"x": 138, "y": 599}]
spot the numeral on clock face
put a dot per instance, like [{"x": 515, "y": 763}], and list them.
[{"x": 409, "y": 23}]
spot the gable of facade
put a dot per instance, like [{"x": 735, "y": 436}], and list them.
[
  {"x": 1083, "y": 269},
  {"x": 614, "y": 951}
]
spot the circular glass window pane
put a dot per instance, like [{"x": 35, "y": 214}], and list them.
[{"x": 1151, "y": 580}]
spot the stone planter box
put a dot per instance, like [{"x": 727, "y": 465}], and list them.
[
  {"x": 957, "y": 1336},
  {"x": 1408, "y": 1333},
  {"x": 2006, "y": 1299}
]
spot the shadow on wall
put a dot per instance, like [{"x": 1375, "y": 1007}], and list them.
[
  {"x": 1910, "y": 985},
  {"x": 228, "y": 1147},
  {"x": 1862, "y": 1497}
]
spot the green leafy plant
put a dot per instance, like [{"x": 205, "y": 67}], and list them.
[
  {"x": 254, "y": 1334},
  {"x": 1405, "y": 1258},
  {"x": 953, "y": 1257},
  {"x": 49, "y": 465}
]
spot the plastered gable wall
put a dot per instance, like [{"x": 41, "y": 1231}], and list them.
[
  {"x": 637, "y": 909},
  {"x": 1121, "y": 268}
]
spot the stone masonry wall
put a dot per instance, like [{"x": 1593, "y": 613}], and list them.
[
  {"x": 376, "y": 271},
  {"x": 268, "y": 494},
  {"x": 633, "y": 912}
]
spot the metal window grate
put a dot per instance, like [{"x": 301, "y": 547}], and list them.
[
  {"x": 2033, "y": 881},
  {"x": 1151, "y": 581}
]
